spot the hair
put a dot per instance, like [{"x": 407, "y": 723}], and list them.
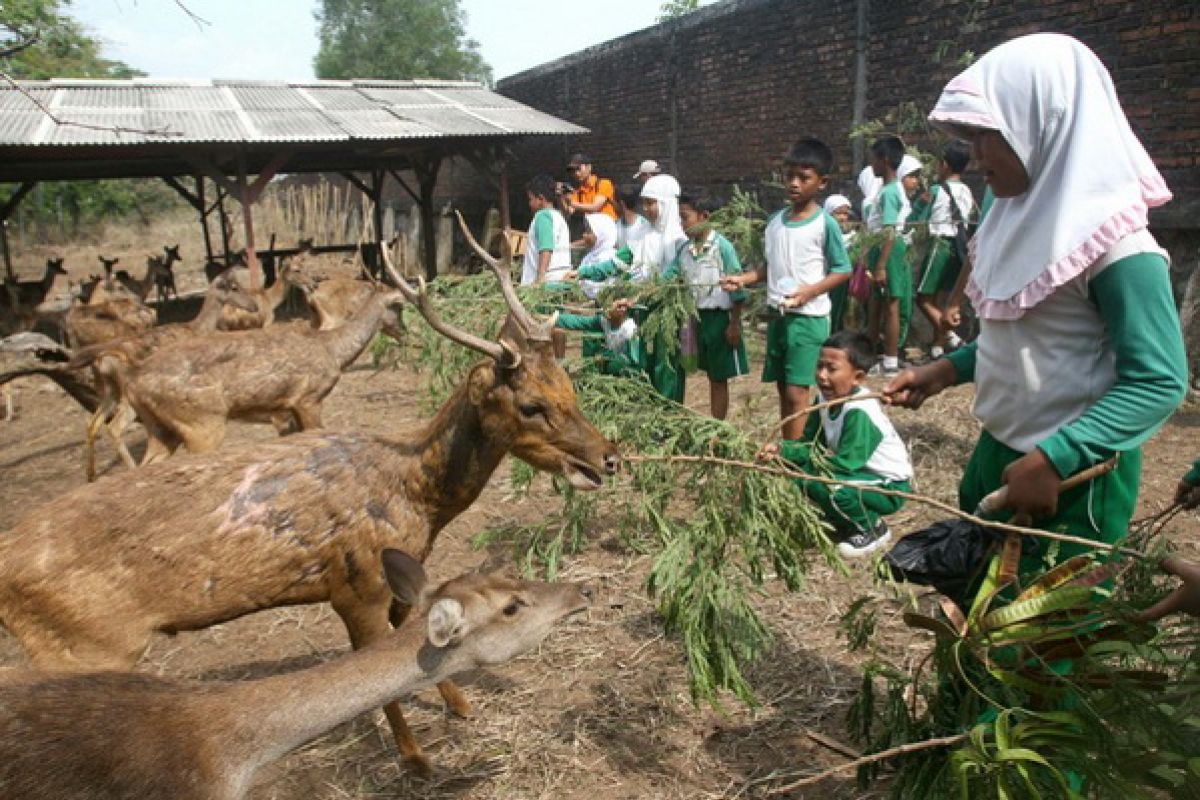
[
  {"x": 812, "y": 153},
  {"x": 630, "y": 194},
  {"x": 957, "y": 155},
  {"x": 857, "y": 347},
  {"x": 542, "y": 186},
  {"x": 701, "y": 201},
  {"x": 889, "y": 148}
]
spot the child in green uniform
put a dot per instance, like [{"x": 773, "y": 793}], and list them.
[
  {"x": 853, "y": 442},
  {"x": 703, "y": 262},
  {"x": 806, "y": 259},
  {"x": 618, "y": 351},
  {"x": 951, "y": 205},
  {"x": 1080, "y": 355},
  {"x": 888, "y": 261}
]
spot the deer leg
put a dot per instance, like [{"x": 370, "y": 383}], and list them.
[
  {"x": 452, "y": 696},
  {"x": 367, "y": 622},
  {"x": 93, "y": 430},
  {"x": 116, "y": 429},
  {"x": 308, "y": 417}
]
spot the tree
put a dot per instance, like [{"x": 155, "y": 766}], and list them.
[
  {"x": 396, "y": 39},
  {"x": 39, "y": 40},
  {"x": 670, "y": 9}
]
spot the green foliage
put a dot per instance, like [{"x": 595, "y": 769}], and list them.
[
  {"x": 60, "y": 47},
  {"x": 60, "y": 210},
  {"x": 396, "y": 39},
  {"x": 671, "y": 9},
  {"x": 1059, "y": 687}
]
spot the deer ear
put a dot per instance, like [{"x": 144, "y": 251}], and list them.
[
  {"x": 405, "y": 576},
  {"x": 446, "y": 622},
  {"x": 480, "y": 382}
]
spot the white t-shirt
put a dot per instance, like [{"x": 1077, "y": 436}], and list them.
[
  {"x": 547, "y": 224},
  {"x": 890, "y": 459},
  {"x": 941, "y": 217},
  {"x": 800, "y": 254}
]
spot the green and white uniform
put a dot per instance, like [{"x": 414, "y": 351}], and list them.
[
  {"x": 942, "y": 263},
  {"x": 702, "y": 265},
  {"x": 854, "y": 442},
  {"x": 547, "y": 231},
  {"x": 799, "y": 253},
  {"x": 618, "y": 349},
  {"x": 891, "y": 210}
]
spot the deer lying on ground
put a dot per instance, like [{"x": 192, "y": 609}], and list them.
[
  {"x": 118, "y": 736},
  {"x": 186, "y": 391},
  {"x": 265, "y": 300},
  {"x": 118, "y": 317},
  {"x": 114, "y": 413},
  {"x": 301, "y": 519}
]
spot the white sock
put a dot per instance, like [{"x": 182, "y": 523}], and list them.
[
  {"x": 936, "y": 352},
  {"x": 891, "y": 362},
  {"x": 953, "y": 339}
]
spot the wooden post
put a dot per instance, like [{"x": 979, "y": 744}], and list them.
[
  {"x": 11, "y": 277},
  {"x": 204, "y": 212},
  {"x": 243, "y": 197},
  {"x": 505, "y": 215},
  {"x": 224, "y": 226},
  {"x": 427, "y": 173}
]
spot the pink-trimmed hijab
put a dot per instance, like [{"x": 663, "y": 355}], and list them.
[{"x": 1091, "y": 181}]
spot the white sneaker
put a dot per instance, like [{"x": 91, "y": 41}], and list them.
[
  {"x": 953, "y": 340},
  {"x": 864, "y": 543},
  {"x": 936, "y": 352}
]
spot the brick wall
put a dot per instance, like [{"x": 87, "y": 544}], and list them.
[{"x": 717, "y": 96}]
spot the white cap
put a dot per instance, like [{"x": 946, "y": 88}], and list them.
[
  {"x": 908, "y": 165},
  {"x": 648, "y": 167}
]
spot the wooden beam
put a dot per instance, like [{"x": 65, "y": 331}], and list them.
[
  {"x": 194, "y": 201},
  {"x": 357, "y": 182},
  {"x": 427, "y": 173},
  {"x": 403, "y": 185},
  {"x": 256, "y": 278},
  {"x": 204, "y": 212},
  {"x": 14, "y": 199},
  {"x": 268, "y": 172}
]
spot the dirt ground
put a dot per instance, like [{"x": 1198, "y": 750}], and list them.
[{"x": 602, "y": 710}]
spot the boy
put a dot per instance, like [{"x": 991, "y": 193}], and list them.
[
  {"x": 888, "y": 261},
  {"x": 620, "y": 353},
  {"x": 951, "y": 206},
  {"x": 806, "y": 258},
  {"x": 703, "y": 262},
  {"x": 548, "y": 249},
  {"x": 632, "y": 227},
  {"x": 853, "y": 442}
]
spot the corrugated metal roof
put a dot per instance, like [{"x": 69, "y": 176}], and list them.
[{"x": 154, "y": 111}]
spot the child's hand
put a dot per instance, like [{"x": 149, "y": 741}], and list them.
[
  {"x": 768, "y": 452},
  {"x": 914, "y": 386},
  {"x": 796, "y": 299},
  {"x": 880, "y": 277},
  {"x": 618, "y": 310},
  {"x": 951, "y": 317},
  {"x": 733, "y": 334},
  {"x": 731, "y": 283},
  {"x": 572, "y": 275},
  {"x": 1032, "y": 485}
]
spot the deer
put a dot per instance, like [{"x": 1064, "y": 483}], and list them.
[
  {"x": 99, "y": 288},
  {"x": 114, "y": 413},
  {"x": 214, "y": 268},
  {"x": 299, "y": 519},
  {"x": 34, "y": 354},
  {"x": 55, "y": 304},
  {"x": 120, "y": 735},
  {"x": 27, "y": 294},
  {"x": 186, "y": 391},
  {"x": 266, "y": 300},
  {"x": 141, "y": 287},
  {"x": 118, "y": 317},
  {"x": 164, "y": 279}
]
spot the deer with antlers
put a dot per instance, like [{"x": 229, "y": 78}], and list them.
[
  {"x": 116, "y": 736},
  {"x": 302, "y": 519}
]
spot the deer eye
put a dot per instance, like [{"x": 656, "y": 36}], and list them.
[
  {"x": 513, "y": 607},
  {"x": 531, "y": 410}
]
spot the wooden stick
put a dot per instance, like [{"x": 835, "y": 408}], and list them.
[
  {"x": 914, "y": 747},
  {"x": 789, "y": 471},
  {"x": 818, "y": 406}
]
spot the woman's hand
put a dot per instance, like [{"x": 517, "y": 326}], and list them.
[
  {"x": 1032, "y": 485},
  {"x": 914, "y": 386}
]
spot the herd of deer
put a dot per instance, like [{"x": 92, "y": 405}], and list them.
[{"x": 347, "y": 518}]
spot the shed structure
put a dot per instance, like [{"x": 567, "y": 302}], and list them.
[{"x": 228, "y": 138}]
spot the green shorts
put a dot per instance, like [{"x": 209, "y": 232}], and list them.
[
  {"x": 793, "y": 347},
  {"x": 942, "y": 266},
  {"x": 899, "y": 275},
  {"x": 713, "y": 354}
]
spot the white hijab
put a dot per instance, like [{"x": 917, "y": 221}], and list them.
[
  {"x": 604, "y": 228},
  {"x": 1091, "y": 181},
  {"x": 908, "y": 165},
  {"x": 834, "y": 202},
  {"x": 869, "y": 184},
  {"x": 658, "y": 247}
]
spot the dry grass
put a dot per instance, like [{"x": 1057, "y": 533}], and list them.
[{"x": 602, "y": 709}]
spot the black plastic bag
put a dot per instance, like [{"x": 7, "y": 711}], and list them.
[{"x": 950, "y": 556}]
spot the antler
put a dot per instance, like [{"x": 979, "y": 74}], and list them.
[
  {"x": 528, "y": 324},
  {"x": 500, "y": 351}
]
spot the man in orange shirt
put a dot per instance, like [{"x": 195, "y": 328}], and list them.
[{"x": 593, "y": 195}]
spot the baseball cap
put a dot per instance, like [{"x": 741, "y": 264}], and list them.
[
  {"x": 579, "y": 158},
  {"x": 648, "y": 167}
]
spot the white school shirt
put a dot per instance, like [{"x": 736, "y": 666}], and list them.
[
  {"x": 802, "y": 254},
  {"x": 941, "y": 217},
  {"x": 890, "y": 460},
  {"x": 630, "y": 235},
  {"x": 887, "y": 197},
  {"x": 703, "y": 266},
  {"x": 560, "y": 258},
  {"x": 1035, "y": 374}
]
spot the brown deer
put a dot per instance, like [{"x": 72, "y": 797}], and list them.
[
  {"x": 34, "y": 354},
  {"x": 118, "y": 317},
  {"x": 141, "y": 287},
  {"x": 186, "y": 391},
  {"x": 118, "y": 736},
  {"x": 266, "y": 300},
  {"x": 27, "y": 294},
  {"x": 297, "y": 520},
  {"x": 164, "y": 279},
  {"x": 99, "y": 288},
  {"x": 114, "y": 413}
]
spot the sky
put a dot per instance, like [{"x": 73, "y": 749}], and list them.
[{"x": 276, "y": 39}]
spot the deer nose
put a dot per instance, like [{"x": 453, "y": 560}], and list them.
[{"x": 612, "y": 462}]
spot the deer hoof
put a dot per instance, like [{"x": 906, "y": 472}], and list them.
[{"x": 419, "y": 765}]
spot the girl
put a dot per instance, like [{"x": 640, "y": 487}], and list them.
[
  {"x": 1080, "y": 355},
  {"x": 601, "y": 236}
]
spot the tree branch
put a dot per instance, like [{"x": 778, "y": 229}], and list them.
[
  {"x": 928, "y": 744},
  {"x": 196, "y": 18}
]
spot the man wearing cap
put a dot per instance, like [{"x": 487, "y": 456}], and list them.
[
  {"x": 648, "y": 169},
  {"x": 593, "y": 194}
]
